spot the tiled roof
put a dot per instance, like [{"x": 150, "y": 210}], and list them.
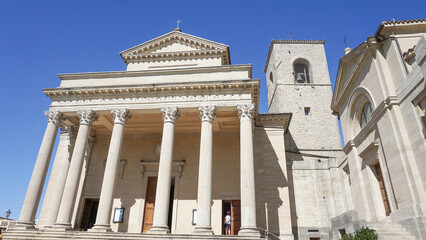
[{"x": 404, "y": 21}]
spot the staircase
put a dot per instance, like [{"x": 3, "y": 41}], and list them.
[
  {"x": 387, "y": 230},
  {"x": 50, "y": 235}
]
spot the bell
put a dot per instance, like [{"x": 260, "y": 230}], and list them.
[{"x": 300, "y": 77}]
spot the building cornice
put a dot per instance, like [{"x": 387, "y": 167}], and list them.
[
  {"x": 79, "y": 76},
  {"x": 361, "y": 52},
  {"x": 273, "y": 120},
  {"x": 154, "y": 88}
]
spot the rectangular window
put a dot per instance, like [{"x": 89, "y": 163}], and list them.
[{"x": 307, "y": 111}]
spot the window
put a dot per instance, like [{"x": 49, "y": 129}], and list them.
[
  {"x": 365, "y": 114},
  {"x": 301, "y": 71},
  {"x": 307, "y": 111},
  {"x": 271, "y": 77}
]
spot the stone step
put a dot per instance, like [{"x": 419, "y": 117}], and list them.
[
  {"x": 388, "y": 230},
  {"x": 50, "y": 235}
]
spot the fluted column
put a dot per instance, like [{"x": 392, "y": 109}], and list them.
[
  {"x": 247, "y": 183},
  {"x": 161, "y": 211},
  {"x": 71, "y": 184},
  {"x": 58, "y": 176},
  {"x": 204, "y": 197},
  {"x": 108, "y": 185},
  {"x": 35, "y": 187}
]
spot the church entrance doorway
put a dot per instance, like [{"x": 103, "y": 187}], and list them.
[
  {"x": 232, "y": 206},
  {"x": 90, "y": 210},
  {"x": 151, "y": 190},
  {"x": 382, "y": 189}
]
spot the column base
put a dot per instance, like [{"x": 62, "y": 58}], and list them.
[
  {"x": 24, "y": 226},
  {"x": 61, "y": 227},
  {"x": 249, "y": 231},
  {"x": 203, "y": 230},
  {"x": 159, "y": 230},
  {"x": 100, "y": 228}
]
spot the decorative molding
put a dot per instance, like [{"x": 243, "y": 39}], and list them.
[
  {"x": 207, "y": 113},
  {"x": 55, "y": 117},
  {"x": 246, "y": 112},
  {"x": 178, "y": 98},
  {"x": 87, "y": 117},
  {"x": 201, "y": 47},
  {"x": 153, "y": 165},
  {"x": 121, "y": 115},
  {"x": 170, "y": 114}
]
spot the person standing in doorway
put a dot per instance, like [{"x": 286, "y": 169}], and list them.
[{"x": 228, "y": 223}]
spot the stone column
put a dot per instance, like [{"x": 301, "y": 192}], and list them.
[
  {"x": 63, "y": 222},
  {"x": 247, "y": 184},
  {"x": 108, "y": 185},
  {"x": 204, "y": 198},
  {"x": 35, "y": 187},
  {"x": 161, "y": 211},
  {"x": 58, "y": 176}
]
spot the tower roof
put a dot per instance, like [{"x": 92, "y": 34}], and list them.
[{"x": 273, "y": 42}]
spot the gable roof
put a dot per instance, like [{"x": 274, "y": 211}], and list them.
[{"x": 190, "y": 46}]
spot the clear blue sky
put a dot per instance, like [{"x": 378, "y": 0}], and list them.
[{"x": 39, "y": 39}]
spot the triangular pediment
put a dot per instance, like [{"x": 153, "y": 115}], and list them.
[
  {"x": 174, "y": 45},
  {"x": 348, "y": 68}
]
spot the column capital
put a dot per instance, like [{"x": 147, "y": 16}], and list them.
[
  {"x": 55, "y": 117},
  {"x": 87, "y": 117},
  {"x": 121, "y": 115},
  {"x": 170, "y": 114},
  {"x": 246, "y": 111},
  {"x": 207, "y": 113}
]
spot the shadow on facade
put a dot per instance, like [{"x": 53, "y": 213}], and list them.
[
  {"x": 269, "y": 179},
  {"x": 292, "y": 154}
]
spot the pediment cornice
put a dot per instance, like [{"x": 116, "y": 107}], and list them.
[
  {"x": 345, "y": 77},
  {"x": 194, "y": 47}
]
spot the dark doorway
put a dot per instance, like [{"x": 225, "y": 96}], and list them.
[
  {"x": 90, "y": 210},
  {"x": 234, "y": 207}
]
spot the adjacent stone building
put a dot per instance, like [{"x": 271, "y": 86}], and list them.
[{"x": 380, "y": 98}]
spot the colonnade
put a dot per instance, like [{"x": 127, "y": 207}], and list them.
[{"x": 64, "y": 197}]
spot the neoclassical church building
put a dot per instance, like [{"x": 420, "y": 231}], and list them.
[{"x": 166, "y": 148}]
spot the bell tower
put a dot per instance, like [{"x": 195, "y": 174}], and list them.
[{"x": 298, "y": 82}]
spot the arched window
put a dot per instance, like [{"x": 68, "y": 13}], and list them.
[
  {"x": 365, "y": 114},
  {"x": 301, "y": 71},
  {"x": 271, "y": 77}
]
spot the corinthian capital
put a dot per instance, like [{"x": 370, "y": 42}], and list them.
[
  {"x": 87, "y": 117},
  {"x": 170, "y": 114},
  {"x": 246, "y": 111},
  {"x": 207, "y": 113},
  {"x": 121, "y": 115},
  {"x": 55, "y": 117}
]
